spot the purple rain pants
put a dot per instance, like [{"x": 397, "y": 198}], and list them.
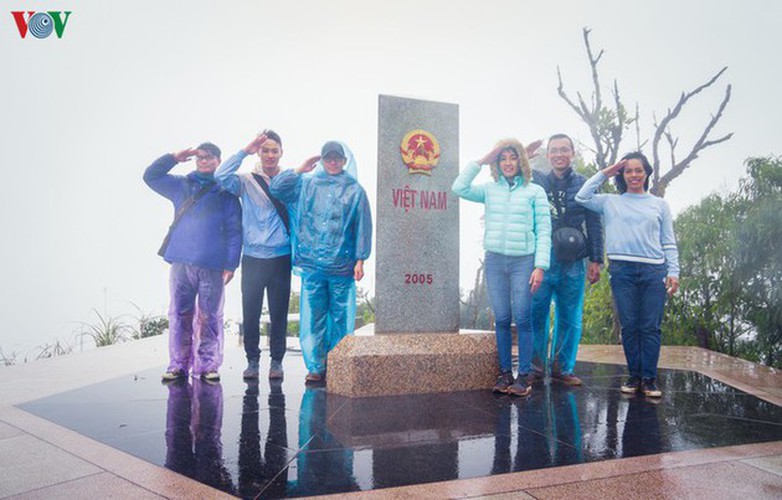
[{"x": 195, "y": 319}]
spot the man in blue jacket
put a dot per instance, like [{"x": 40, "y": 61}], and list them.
[
  {"x": 203, "y": 247},
  {"x": 576, "y": 234},
  {"x": 333, "y": 238},
  {"x": 266, "y": 255}
]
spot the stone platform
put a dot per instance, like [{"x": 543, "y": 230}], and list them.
[{"x": 394, "y": 364}]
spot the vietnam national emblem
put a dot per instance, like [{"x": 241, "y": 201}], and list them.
[{"x": 420, "y": 152}]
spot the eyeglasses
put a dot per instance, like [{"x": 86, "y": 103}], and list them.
[
  {"x": 559, "y": 151},
  {"x": 206, "y": 157}
]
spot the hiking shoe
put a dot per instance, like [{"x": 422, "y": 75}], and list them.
[
  {"x": 504, "y": 381},
  {"x": 567, "y": 379},
  {"x": 313, "y": 378},
  {"x": 275, "y": 369},
  {"x": 173, "y": 375},
  {"x": 521, "y": 386},
  {"x": 210, "y": 376},
  {"x": 252, "y": 369},
  {"x": 632, "y": 385},
  {"x": 649, "y": 388}
]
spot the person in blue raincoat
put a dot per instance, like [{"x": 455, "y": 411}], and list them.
[{"x": 332, "y": 227}]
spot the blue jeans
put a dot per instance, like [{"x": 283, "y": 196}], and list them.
[
  {"x": 564, "y": 283},
  {"x": 639, "y": 292},
  {"x": 507, "y": 284}
]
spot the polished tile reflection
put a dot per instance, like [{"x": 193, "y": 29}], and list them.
[{"x": 282, "y": 439}]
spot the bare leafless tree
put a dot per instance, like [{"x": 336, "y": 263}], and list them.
[{"x": 608, "y": 122}]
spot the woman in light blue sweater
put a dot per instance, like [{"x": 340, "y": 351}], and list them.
[
  {"x": 643, "y": 262},
  {"x": 517, "y": 240}
]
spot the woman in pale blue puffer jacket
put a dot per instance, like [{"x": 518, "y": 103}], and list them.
[{"x": 517, "y": 241}]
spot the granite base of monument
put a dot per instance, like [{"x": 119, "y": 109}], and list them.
[{"x": 414, "y": 363}]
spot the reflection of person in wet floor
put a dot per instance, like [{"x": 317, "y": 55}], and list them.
[
  {"x": 203, "y": 247},
  {"x": 259, "y": 473},
  {"x": 194, "y": 421},
  {"x": 643, "y": 262},
  {"x": 548, "y": 432},
  {"x": 517, "y": 240},
  {"x": 641, "y": 430},
  {"x": 332, "y": 238},
  {"x": 324, "y": 465}
]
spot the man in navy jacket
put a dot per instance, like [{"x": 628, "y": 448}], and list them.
[
  {"x": 203, "y": 249},
  {"x": 577, "y": 234}
]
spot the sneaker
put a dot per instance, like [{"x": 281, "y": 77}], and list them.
[
  {"x": 632, "y": 385},
  {"x": 275, "y": 369},
  {"x": 568, "y": 379},
  {"x": 504, "y": 381},
  {"x": 174, "y": 375},
  {"x": 521, "y": 386},
  {"x": 252, "y": 369},
  {"x": 649, "y": 388},
  {"x": 313, "y": 378},
  {"x": 210, "y": 376}
]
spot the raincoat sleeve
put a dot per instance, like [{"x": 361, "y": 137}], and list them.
[
  {"x": 157, "y": 177},
  {"x": 542, "y": 228},
  {"x": 232, "y": 231},
  {"x": 226, "y": 174},
  {"x": 586, "y": 195},
  {"x": 464, "y": 188},
  {"x": 286, "y": 186},
  {"x": 364, "y": 227}
]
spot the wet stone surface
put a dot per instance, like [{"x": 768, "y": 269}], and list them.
[{"x": 287, "y": 440}]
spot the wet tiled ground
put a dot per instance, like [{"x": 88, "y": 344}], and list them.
[{"x": 285, "y": 439}]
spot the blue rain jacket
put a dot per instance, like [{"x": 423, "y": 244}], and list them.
[
  {"x": 332, "y": 222},
  {"x": 210, "y": 234}
]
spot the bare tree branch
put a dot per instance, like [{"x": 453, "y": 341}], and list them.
[{"x": 703, "y": 141}]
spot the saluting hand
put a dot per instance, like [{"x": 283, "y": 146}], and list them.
[
  {"x": 491, "y": 156},
  {"x": 532, "y": 149},
  {"x": 308, "y": 165},
  {"x": 614, "y": 169},
  {"x": 255, "y": 144},
  {"x": 184, "y": 155}
]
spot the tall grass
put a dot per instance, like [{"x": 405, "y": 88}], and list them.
[{"x": 107, "y": 330}]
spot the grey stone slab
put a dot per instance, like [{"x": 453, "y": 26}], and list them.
[
  {"x": 8, "y": 431},
  {"x": 417, "y": 281},
  {"x": 27, "y": 463},
  {"x": 103, "y": 485}
]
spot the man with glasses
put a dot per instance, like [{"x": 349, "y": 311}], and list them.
[
  {"x": 203, "y": 246},
  {"x": 333, "y": 233},
  {"x": 576, "y": 234},
  {"x": 266, "y": 251}
]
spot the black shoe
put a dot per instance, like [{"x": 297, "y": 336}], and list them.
[
  {"x": 649, "y": 388},
  {"x": 632, "y": 385},
  {"x": 504, "y": 381},
  {"x": 521, "y": 387}
]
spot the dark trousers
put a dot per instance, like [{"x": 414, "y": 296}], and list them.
[
  {"x": 274, "y": 276},
  {"x": 639, "y": 292}
]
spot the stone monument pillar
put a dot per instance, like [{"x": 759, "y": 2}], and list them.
[
  {"x": 417, "y": 347},
  {"x": 417, "y": 242}
]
